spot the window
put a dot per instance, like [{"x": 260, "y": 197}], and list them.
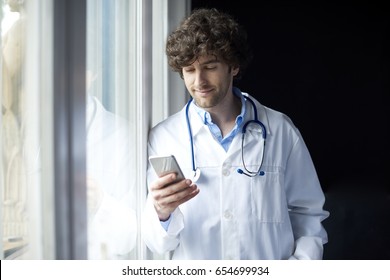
[
  {"x": 75, "y": 122},
  {"x": 26, "y": 142},
  {"x": 113, "y": 111}
]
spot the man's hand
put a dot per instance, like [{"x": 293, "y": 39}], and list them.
[
  {"x": 94, "y": 196},
  {"x": 167, "y": 196}
]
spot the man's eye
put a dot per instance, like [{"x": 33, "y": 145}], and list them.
[{"x": 209, "y": 67}]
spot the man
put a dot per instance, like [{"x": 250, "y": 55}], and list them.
[{"x": 252, "y": 200}]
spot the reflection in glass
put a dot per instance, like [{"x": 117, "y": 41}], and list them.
[
  {"x": 110, "y": 194},
  {"x": 14, "y": 186},
  {"x": 111, "y": 167}
]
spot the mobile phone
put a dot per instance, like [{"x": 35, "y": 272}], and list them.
[{"x": 163, "y": 165}]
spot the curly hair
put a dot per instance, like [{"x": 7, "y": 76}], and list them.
[{"x": 208, "y": 32}]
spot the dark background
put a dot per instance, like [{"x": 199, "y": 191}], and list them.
[{"x": 327, "y": 67}]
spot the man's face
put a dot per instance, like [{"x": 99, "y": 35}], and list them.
[{"x": 208, "y": 80}]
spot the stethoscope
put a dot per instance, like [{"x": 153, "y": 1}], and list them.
[{"x": 196, "y": 171}]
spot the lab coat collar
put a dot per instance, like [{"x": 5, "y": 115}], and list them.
[
  {"x": 196, "y": 121},
  {"x": 262, "y": 114}
]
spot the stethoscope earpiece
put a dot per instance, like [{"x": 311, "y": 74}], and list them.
[{"x": 240, "y": 171}]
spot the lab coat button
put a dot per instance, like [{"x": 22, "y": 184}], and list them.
[
  {"x": 225, "y": 172},
  {"x": 227, "y": 215},
  {"x": 226, "y": 165}
]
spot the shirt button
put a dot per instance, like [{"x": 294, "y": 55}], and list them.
[{"x": 225, "y": 172}]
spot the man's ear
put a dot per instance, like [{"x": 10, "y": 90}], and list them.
[{"x": 235, "y": 71}]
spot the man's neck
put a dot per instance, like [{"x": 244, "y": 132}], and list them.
[{"x": 224, "y": 116}]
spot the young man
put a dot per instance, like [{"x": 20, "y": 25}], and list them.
[{"x": 251, "y": 200}]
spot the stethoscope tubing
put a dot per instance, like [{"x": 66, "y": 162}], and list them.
[
  {"x": 240, "y": 171},
  {"x": 190, "y": 134}
]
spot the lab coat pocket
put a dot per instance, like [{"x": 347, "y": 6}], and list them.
[{"x": 267, "y": 196}]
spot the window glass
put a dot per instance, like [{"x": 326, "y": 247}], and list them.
[
  {"x": 111, "y": 169},
  {"x": 25, "y": 95},
  {"x": 120, "y": 86},
  {"x": 13, "y": 162}
]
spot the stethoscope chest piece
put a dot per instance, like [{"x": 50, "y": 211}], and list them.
[{"x": 196, "y": 175}]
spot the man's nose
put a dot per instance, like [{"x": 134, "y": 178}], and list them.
[{"x": 199, "y": 78}]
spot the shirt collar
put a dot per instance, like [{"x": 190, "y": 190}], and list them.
[{"x": 206, "y": 117}]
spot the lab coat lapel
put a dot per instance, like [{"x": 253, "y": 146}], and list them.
[
  {"x": 262, "y": 115},
  {"x": 206, "y": 149},
  {"x": 253, "y": 140},
  {"x": 195, "y": 121}
]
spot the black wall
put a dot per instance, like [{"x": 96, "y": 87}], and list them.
[{"x": 327, "y": 67}]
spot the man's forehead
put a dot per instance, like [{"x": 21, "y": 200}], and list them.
[{"x": 205, "y": 59}]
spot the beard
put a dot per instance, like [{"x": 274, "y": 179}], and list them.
[{"x": 209, "y": 100}]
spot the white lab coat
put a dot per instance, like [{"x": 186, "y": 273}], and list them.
[
  {"x": 275, "y": 216},
  {"x": 112, "y": 230}
]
